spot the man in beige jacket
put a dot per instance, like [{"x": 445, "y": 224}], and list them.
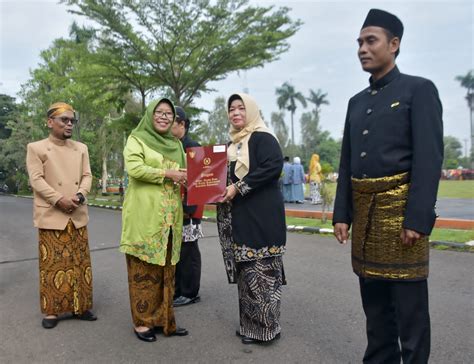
[{"x": 60, "y": 176}]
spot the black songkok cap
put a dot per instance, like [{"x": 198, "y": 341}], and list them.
[
  {"x": 380, "y": 18},
  {"x": 180, "y": 113}
]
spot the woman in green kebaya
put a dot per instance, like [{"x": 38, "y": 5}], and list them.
[{"x": 152, "y": 219}]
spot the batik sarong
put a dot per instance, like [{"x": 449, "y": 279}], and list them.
[
  {"x": 65, "y": 270},
  {"x": 314, "y": 192},
  {"x": 151, "y": 289},
  {"x": 259, "y": 285},
  {"x": 224, "y": 228}
]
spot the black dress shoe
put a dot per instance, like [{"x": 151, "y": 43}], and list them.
[
  {"x": 183, "y": 301},
  {"x": 180, "y": 331},
  {"x": 248, "y": 340},
  {"x": 49, "y": 323},
  {"x": 86, "y": 316},
  {"x": 148, "y": 336},
  {"x": 177, "y": 301}
]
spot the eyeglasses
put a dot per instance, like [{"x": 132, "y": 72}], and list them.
[
  {"x": 166, "y": 114},
  {"x": 65, "y": 120}
]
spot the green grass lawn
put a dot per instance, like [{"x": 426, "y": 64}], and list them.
[
  {"x": 104, "y": 200},
  {"x": 455, "y": 236},
  {"x": 456, "y": 189},
  {"x": 451, "y": 235},
  {"x": 447, "y": 189}
]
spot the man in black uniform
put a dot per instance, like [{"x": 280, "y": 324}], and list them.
[
  {"x": 390, "y": 166},
  {"x": 188, "y": 269}
]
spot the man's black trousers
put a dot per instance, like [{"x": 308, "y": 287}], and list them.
[{"x": 398, "y": 321}]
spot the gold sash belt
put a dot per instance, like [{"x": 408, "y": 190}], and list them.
[{"x": 377, "y": 250}]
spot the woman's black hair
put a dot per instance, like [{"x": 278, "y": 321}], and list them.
[
  {"x": 167, "y": 101},
  {"x": 232, "y": 98}
]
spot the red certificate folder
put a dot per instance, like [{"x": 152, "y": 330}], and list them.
[{"x": 207, "y": 173}]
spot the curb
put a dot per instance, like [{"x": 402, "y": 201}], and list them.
[
  {"x": 297, "y": 228},
  {"x": 110, "y": 207},
  {"x": 442, "y": 223},
  {"x": 316, "y": 230}
]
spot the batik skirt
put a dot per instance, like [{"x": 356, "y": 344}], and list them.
[
  {"x": 259, "y": 285},
  {"x": 151, "y": 289},
  {"x": 315, "y": 192},
  {"x": 65, "y": 270},
  {"x": 259, "y": 281}
]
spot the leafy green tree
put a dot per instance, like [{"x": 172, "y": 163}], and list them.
[
  {"x": 327, "y": 196},
  {"x": 292, "y": 150},
  {"x": 63, "y": 76},
  {"x": 279, "y": 127},
  {"x": 13, "y": 150},
  {"x": 287, "y": 97},
  {"x": 7, "y": 112},
  {"x": 311, "y": 133},
  {"x": 452, "y": 152},
  {"x": 216, "y": 130},
  {"x": 330, "y": 150},
  {"x": 315, "y": 140},
  {"x": 108, "y": 66},
  {"x": 467, "y": 81},
  {"x": 185, "y": 44}
]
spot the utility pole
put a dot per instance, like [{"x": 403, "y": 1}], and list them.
[{"x": 245, "y": 88}]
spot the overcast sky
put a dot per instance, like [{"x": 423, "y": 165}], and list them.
[{"x": 437, "y": 44}]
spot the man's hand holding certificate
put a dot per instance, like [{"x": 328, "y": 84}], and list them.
[{"x": 207, "y": 174}]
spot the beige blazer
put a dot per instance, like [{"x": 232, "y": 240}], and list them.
[{"x": 58, "y": 168}]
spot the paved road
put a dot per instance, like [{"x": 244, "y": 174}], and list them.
[
  {"x": 448, "y": 208},
  {"x": 322, "y": 318}
]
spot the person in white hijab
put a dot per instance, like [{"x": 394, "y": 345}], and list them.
[
  {"x": 251, "y": 221},
  {"x": 298, "y": 180}
]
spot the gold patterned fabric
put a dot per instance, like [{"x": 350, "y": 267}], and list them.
[
  {"x": 65, "y": 270},
  {"x": 151, "y": 289},
  {"x": 377, "y": 250}
]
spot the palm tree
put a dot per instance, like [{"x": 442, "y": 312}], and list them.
[
  {"x": 279, "y": 127},
  {"x": 287, "y": 97},
  {"x": 317, "y": 98},
  {"x": 467, "y": 81}
]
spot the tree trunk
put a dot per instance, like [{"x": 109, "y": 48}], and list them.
[
  {"x": 104, "y": 173},
  {"x": 143, "y": 100},
  {"x": 292, "y": 130},
  {"x": 471, "y": 107},
  {"x": 323, "y": 212},
  {"x": 77, "y": 128}
]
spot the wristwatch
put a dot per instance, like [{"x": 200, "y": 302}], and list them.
[{"x": 81, "y": 197}]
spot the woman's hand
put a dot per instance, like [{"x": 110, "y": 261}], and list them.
[
  {"x": 178, "y": 177},
  {"x": 229, "y": 193}
]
